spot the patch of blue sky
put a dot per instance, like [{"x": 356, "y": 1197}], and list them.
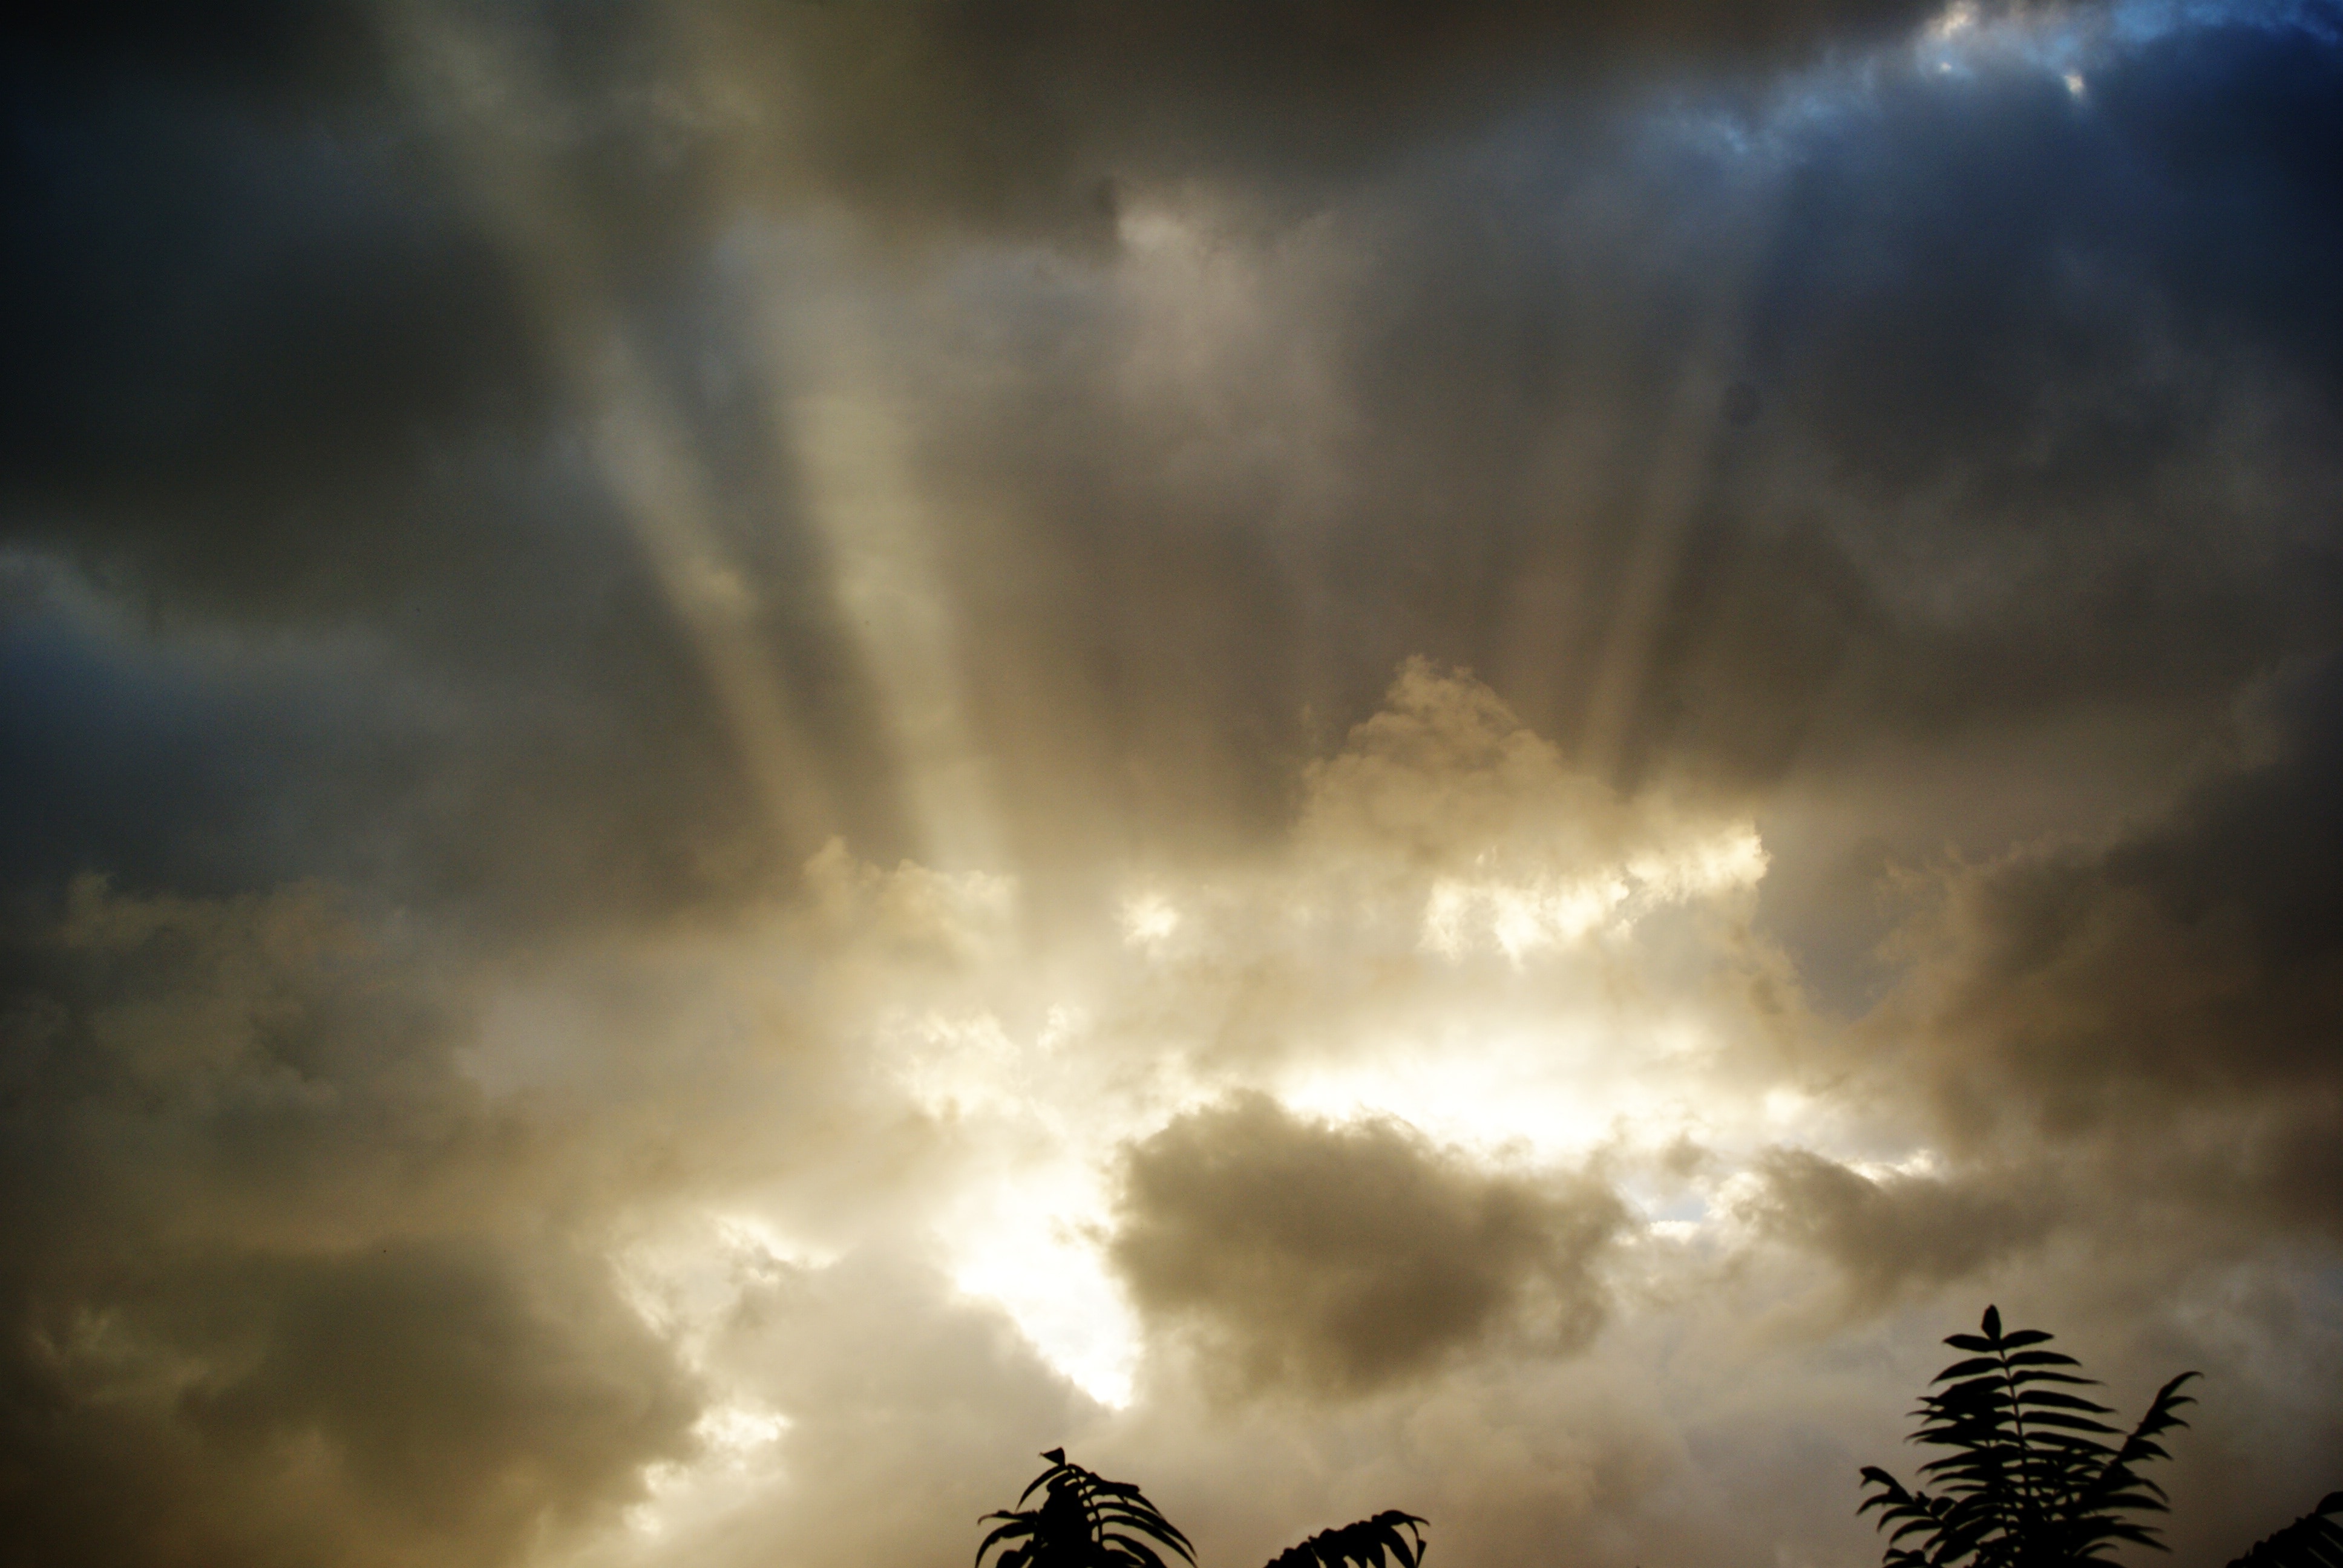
[{"x": 2144, "y": 21}]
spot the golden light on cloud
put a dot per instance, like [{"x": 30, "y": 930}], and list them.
[
  {"x": 1482, "y": 1019},
  {"x": 1038, "y": 1084}
]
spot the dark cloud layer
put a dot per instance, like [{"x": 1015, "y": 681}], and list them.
[
  {"x": 398, "y": 1406},
  {"x": 1345, "y": 1258},
  {"x": 2032, "y": 448},
  {"x": 1890, "y": 1232},
  {"x": 254, "y": 1306},
  {"x": 1042, "y": 113},
  {"x": 2172, "y": 993},
  {"x": 1489, "y": 428}
]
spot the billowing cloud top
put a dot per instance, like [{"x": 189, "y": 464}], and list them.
[{"x": 1365, "y": 755}]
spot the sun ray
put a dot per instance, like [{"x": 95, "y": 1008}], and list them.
[{"x": 480, "y": 89}]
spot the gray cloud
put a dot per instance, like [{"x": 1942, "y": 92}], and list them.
[
  {"x": 456, "y": 1405},
  {"x": 1468, "y": 407},
  {"x": 1345, "y": 1258},
  {"x": 1892, "y": 1233},
  {"x": 2188, "y": 960},
  {"x": 1030, "y": 115},
  {"x": 1471, "y": 411},
  {"x": 393, "y": 1405},
  {"x": 2155, "y": 1012},
  {"x": 271, "y": 1284}
]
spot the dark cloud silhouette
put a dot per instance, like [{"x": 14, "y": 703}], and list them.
[
  {"x": 2232, "y": 887},
  {"x": 401, "y": 1405},
  {"x": 1345, "y": 1258},
  {"x": 283, "y": 370},
  {"x": 2172, "y": 992},
  {"x": 1036, "y": 113},
  {"x": 2006, "y": 288},
  {"x": 453, "y": 1401},
  {"x": 264, "y": 1291},
  {"x": 476, "y": 782},
  {"x": 1995, "y": 485},
  {"x": 1896, "y": 1232}
]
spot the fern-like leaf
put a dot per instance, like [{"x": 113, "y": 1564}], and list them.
[
  {"x": 1084, "y": 1521},
  {"x": 2029, "y": 1474},
  {"x": 1364, "y": 1544}
]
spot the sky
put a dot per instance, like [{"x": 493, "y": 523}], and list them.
[{"x": 1361, "y": 755}]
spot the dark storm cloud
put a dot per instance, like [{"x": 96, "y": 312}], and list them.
[
  {"x": 243, "y": 284},
  {"x": 238, "y": 341},
  {"x": 267, "y": 50},
  {"x": 1030, "y": 111},
  {"x": 2176, "y": 993},
  {"x": 403, "y": 1404},
  {"x": 1897, "y": 1231},
  {"x": 272, "y": 1284},
  {"x": 2070, "y": 316},
  {"x": 2028, "y": 282},
  {"x": 455, "y": 1405},
  {"x": 509, "y": 782},
  {"x": 1479, "y": 413},
  {"x": 280, "y": 367},
  {"x": 1347, "y": 1258},
  {"x": 268, "y": 373},
  {"x": 276, "y": 371}
]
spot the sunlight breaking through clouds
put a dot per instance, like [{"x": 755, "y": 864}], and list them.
[
  {"x": 1524, "y": 917},
  {"x": 1454, "y": 757},
  {"x": 1039, "y": 1092}
]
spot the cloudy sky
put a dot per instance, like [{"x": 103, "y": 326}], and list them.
[{"x": 1365, "y": 755}]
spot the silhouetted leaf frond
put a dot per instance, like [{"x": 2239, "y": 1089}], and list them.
[
  {"x": 2313, "y": 1541},
  {"x": 2029, "y": 1474},
  {"x": 1362, "y": 1545},
  {"x": 1084, "y": 1521}
]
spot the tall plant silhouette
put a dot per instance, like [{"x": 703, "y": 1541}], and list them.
[
  {"x": 1085, "y": 1521},
  {"x": 2032, "y": 1478}
]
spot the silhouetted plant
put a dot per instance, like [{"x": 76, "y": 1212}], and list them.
[
  {"x": 2313, "y": 1541},
  {"x": 2029, "y": 1480},
  {"x": 1363, "y": 1543},
  {"x": 1085, "y": 1521}
]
